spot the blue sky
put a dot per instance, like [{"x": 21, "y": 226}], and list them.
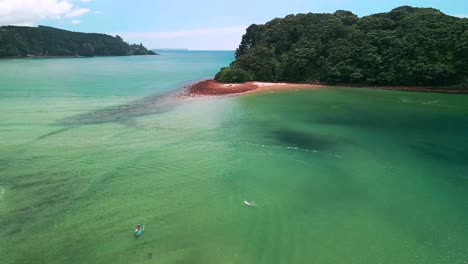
[{"x": 202, "y": 24}]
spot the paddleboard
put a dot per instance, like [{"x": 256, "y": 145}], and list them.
[
  {"x": 138, "y": 232},
  {"x": 249, "y": 203}
]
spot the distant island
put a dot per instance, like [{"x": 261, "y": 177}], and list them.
[
  {"x": 407, "y": 46},
  {"x": 42, "y": 41}
]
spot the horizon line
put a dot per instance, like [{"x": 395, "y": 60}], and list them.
[{"x": 175, "y": 49}]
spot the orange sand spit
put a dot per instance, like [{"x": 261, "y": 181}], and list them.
[{"x": 212, "y": 87}]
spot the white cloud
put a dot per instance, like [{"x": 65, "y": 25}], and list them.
[
  {"x": 76, "y": 22},
  {"x": 97, "y": 12},
  {"x": 77, "y": 12},
  {"x": 227, "y": 38},
  {"x": 28, "y": 12}
]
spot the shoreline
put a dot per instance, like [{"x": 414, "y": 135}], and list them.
[
  {"x": 70, "y": 57},
  {"x": 422, "y": 89},
  {"x": 212, "y": 87}
]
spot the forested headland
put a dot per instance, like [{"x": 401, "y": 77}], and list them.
[
  {"x": 405, "y": 47},
  {"x": 42, "y": 41}
]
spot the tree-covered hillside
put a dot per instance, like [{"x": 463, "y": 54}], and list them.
[
  {"x": 47, "y": 41},
  {"x": 407, "y": 46}
]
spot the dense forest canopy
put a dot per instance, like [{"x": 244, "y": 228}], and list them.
[
  {"x": 406, "y": 46},
  {"x": 18, "y": 41}
]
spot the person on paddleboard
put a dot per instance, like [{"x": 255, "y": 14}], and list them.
[{"x": 138, "y": 230}]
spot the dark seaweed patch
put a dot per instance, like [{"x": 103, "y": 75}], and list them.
[
  {"x": 156, "y": 104},
  {"x": 53, "y": 133},
  {"x": 302, "y": 140},
  {"x": 35, "y": 181}
]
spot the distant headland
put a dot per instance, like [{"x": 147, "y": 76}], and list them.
[
  {"x": 407, "y": 47},
  {"x": 49, "y": 42}
]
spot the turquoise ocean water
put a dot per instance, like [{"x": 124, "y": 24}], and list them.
[{"x": 91, "y": 147}]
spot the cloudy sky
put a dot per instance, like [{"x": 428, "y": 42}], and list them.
[{"x": 193, "y": 24}]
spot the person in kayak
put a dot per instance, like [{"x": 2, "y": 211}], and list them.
[{"x": 138, "y": 230}]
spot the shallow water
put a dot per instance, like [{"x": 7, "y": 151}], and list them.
[{"x": 91, "y": 147}]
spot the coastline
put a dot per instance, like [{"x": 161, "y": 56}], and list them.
[
  {"x": 212, "y": 87},
  {"x": 52, "y": 56},
  {"x": 422, "y": 89},
  {"x": 71, "y": 56}
]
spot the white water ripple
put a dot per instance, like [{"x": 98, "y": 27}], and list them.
[
  {"x": 2, "y": 192},
  {"x": 290, "y": 148}
]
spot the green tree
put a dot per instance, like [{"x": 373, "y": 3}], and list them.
[
  {"x": 233, "y": 75},
  {"x": 406, "y": 46}
]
